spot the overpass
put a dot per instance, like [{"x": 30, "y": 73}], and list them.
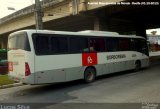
[{"x": 66, "y": 15}]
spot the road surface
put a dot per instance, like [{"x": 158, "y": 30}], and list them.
[{"x": 122, "y": 87}]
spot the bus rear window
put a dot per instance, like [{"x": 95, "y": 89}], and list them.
[{"x": 19, "y": 41}]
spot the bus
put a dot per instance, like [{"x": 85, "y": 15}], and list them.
[{"x": 44, "y": 56}]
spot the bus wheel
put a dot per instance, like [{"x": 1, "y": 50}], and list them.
[
  {"x": 89, "y": 75},
  {"x": 137, "y": 66}
]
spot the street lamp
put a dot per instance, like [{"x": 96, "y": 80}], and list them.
[{"x": 11, "y": 8}]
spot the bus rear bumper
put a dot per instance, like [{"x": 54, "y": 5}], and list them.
[{"x": 26, "y": 80}]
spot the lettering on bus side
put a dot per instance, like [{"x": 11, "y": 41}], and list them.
[
  {"x": 119, "y": 56},
  {"x": 89, "y": 59}
]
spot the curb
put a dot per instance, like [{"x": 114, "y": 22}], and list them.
[{"x": 11, "y": 85}]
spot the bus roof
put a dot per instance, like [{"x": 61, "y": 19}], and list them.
[{"x": 81, "y": 33}]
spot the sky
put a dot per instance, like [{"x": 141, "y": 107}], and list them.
[
  {"x": 16, "y": 4},
  {"x": 19, "y": 4}
]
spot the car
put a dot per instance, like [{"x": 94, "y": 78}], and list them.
[
  {"x": 3, "y": 69},
  {"x": 3, "y": 61}
]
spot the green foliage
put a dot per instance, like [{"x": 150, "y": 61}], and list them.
[
  {"x": 4, "y": 80},
  {"x": 3, "y": 50}
]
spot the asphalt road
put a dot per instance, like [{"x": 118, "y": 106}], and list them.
[{"x": 122, "y": 87}]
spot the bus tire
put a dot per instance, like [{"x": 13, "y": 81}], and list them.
[
  {"x": 137, "y": 66},
  {"x": 89, "y": 75}
]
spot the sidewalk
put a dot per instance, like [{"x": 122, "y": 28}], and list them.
[{"x": 10, "y": 85}]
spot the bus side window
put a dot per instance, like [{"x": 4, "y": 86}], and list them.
[
  {"x": 92, "y": 45},
  {"x": 137, "y": 45},
  {"x": 83, "y": 42},
  {"x": 78, "y": 44},
  {"x": 132, "y": 45},
  {"x": 97, "y": 44},
  {"x": 111, "y": 44},
  {"x": 41, "y": 43},
  {"x": 144, "y": 47},
  {"x": 59, "y": 45},
  {"x": 124, "y": 44}
]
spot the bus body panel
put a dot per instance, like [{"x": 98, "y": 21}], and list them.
[
  {"x": 73, "y": 69},
  {"x": 67, "y": 74},
  {"x": 19, "y": 59},
  {"x": 17, "y": 63},
  {"x": 54, "y": 68}
]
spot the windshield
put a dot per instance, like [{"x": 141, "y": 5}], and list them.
[{"x": 19, "y": 41}]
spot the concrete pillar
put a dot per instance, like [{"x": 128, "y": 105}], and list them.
[
  {"x": 73, "y": 7},
  {"x": 2, "y": 45},
  {"x": 101, "y": 24},
  {"x": 3, "y": 42},
  {"x": 82, "y": 5},
  {"x": 76, "y": 6},
  {"x": 96, "y": 24}
]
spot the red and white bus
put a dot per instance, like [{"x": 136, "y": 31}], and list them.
[{"x": 43, "y": 56}]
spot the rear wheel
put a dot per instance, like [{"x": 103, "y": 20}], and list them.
[
  {"x": 137, "y": 66},
  {"x": 89, "y": 75}
]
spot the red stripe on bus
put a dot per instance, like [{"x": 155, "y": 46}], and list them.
[{"x": 89, "y": 59}]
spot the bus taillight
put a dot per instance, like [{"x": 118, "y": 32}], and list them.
[
  {"x": 10, "y": 66},
  {"x": 27, "y": 69}
]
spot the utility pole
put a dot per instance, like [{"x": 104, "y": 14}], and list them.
[{"x": 38, "y": 15}]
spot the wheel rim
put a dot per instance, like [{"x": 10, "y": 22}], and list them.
[
  {"x": 90, "y": 76},
  {"x": 137, "y": 66}
]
